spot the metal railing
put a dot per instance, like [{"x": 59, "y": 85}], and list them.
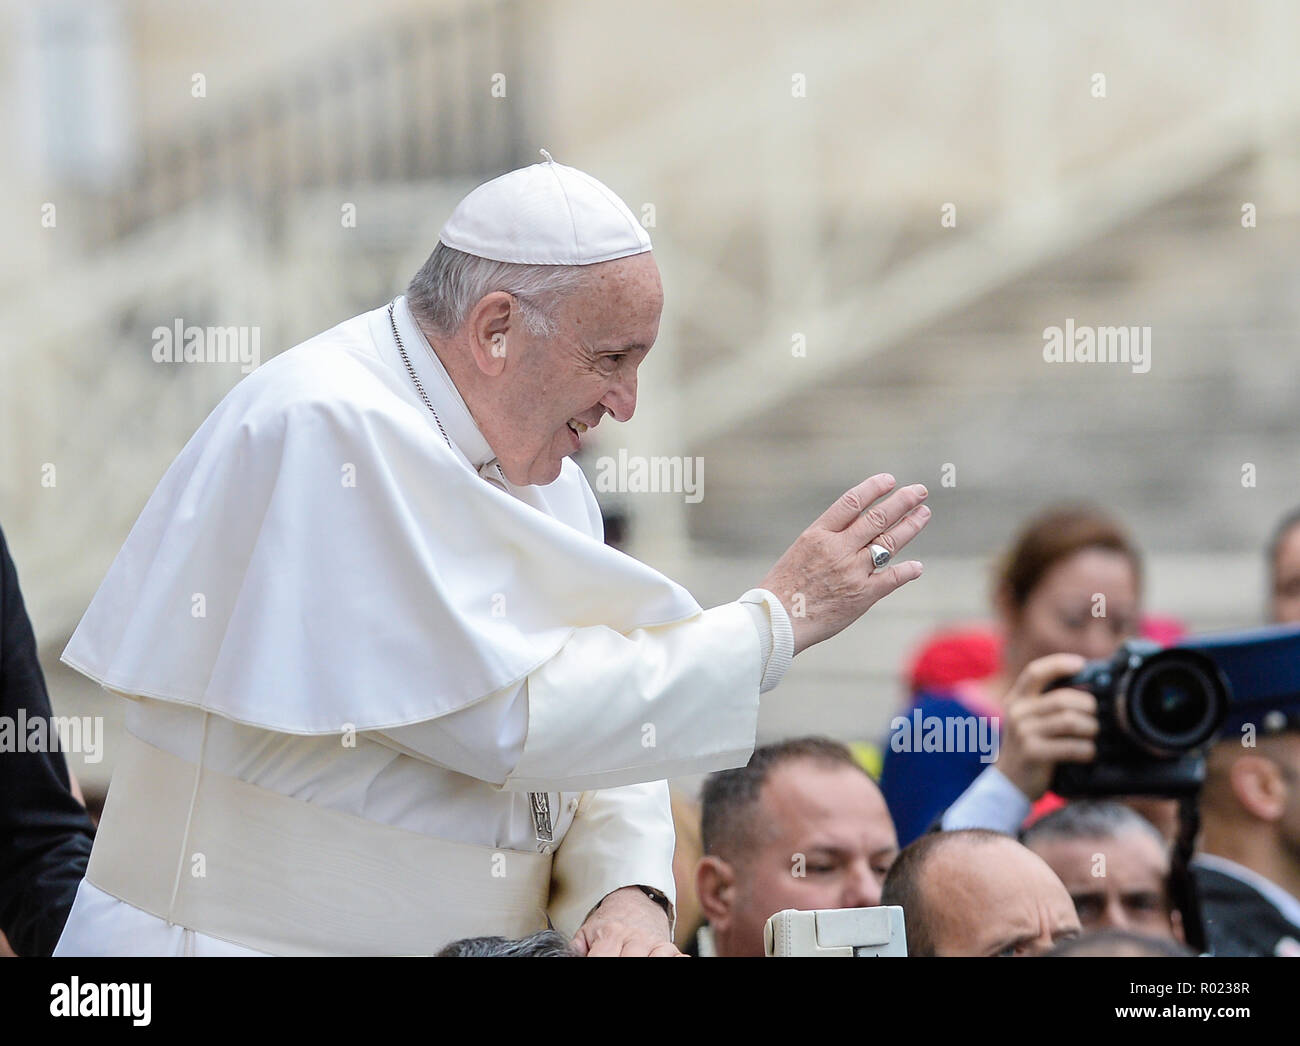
[
  {"x": 409, "y": 102},
  {"x": 209, "y": 230}
]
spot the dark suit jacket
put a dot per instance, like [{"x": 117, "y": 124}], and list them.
[
  {"x": 45, "y": 834},
  {"x": 1238, "y": 919}
]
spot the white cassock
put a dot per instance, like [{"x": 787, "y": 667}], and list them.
[{"x": 380, "y": 697}]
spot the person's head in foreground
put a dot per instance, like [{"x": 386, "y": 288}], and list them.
[
  {"x": 1114, "y": 863},
  {"x": 1071, "y": 583},
  {"x": 1284, "y": 570},
  {"x": 1250, "y": 804},
  {"x": 1121, "y": 944},
  {"x": 976, "y": 892},
  {"x": 801, "y": 826},
  {"x": 545, "y": 944},
  {"x": 541, "y": 333}
]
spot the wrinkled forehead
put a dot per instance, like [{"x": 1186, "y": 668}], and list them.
[
  {"x": 994, "y": 894},
  {"x": 814, "y": 804},
  {"x": 990, "y": 874},
  {"x": 1130, "y": 858},
  {"x": 619, "y": 297}
]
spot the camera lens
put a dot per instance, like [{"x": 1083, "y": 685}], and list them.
[{"x": 1174, "y": 704}]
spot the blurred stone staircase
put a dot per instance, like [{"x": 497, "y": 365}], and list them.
[{"x": 1163, "y": 450}]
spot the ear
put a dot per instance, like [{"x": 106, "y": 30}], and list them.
[
  {"x": 1176, "y": 924},
  {"x": 1257, "y": 783},
  {"x": 490, "y": 326},
  {"x": 715, "y": 885}
]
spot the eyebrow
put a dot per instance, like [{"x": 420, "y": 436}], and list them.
[
  {"x": 844, "y": 851},
  {"x": 1015, "y": 942},
  {"x": 631, "y": 346},
  {"x": 827, "y": 848},
  {"x": 1141, "y": 895},
  {"x": 1125, "y": 895}
]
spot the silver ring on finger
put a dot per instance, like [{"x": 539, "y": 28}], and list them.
[{"x": 880, "y": 557}]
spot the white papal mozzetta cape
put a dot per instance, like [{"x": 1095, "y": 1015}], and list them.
[{"x": 357, "y": 662}]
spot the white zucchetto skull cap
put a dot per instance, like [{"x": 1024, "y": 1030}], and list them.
[{"x": 546, "y": 214}]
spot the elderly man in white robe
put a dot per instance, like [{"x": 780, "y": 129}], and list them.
[{"x": 387, "y": 687}]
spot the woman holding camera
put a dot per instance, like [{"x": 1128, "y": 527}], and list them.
[{"x": 1069, "y": 591}]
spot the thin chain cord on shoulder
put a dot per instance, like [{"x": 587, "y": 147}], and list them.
[
  {"x": 411, "y": 371},
  {"x": 419, "y": 387}
]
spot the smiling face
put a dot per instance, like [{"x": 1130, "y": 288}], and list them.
[{"x": 536, "y": 396}]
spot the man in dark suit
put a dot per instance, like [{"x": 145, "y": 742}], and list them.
[
  {"x": 45, "y": 833},
  {"x": 1247, "y": 872}
]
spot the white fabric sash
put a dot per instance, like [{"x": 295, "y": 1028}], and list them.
[{"x": 289, "y": 877}]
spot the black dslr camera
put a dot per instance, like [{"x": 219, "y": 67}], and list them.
[{"x": 1160, "y": 708}]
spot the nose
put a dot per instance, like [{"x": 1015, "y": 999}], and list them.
[
  {"x": 620, "y": 401},
  {"x": 1043, "y": 944},
  {"x": 1099, "y": 642},
  {"x": 861, "y": 888},
  {"x": 1113, "y": 916}
]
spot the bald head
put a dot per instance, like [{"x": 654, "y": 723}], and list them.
[{"x": 976, "y": 892}]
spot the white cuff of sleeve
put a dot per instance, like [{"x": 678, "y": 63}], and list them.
[
  {"x": 991, "y": 801},
  {"x": 775, "y": 635}
]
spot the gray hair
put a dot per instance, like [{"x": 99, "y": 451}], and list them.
[
  {"x": 451, "y": 282},
  {"x": 1121, "y": 944},
  {"x": 545, "y": 944},
  {"x": 1090, "y": 819}
]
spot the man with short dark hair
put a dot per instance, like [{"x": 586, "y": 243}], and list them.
[
  {"x": 1114, "y": 863},
  {"x": 1248, "y": 869},
  {"x": 1247, "y": 872},
  {"x": 975, "y": 892},
  {"x": 801, "y": 826}
]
